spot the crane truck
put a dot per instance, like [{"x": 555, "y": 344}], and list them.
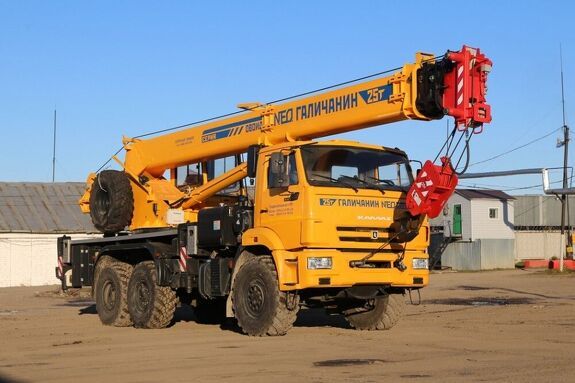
[{"x": 247, "y": 217}]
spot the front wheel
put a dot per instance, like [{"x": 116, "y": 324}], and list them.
[
  {"x": 381, "y": 313},
  {"x": 258, "y": 304},
  {"x": 150, "y": 305}
]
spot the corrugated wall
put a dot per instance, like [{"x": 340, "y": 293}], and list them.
[
  {"x": 484, "y": 254},
  {"x": 497, "y": 254},
  {"x": 462, "y": 256},
  {"x": 540, "y": 210}
]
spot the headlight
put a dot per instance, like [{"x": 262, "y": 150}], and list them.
[
  {"x": 314, "y": 263},
  {"x": 420, "y": 263}
]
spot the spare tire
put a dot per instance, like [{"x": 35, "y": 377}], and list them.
[{"x": 111, "y": 201}]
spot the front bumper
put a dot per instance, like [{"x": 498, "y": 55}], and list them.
[{"x": 382, "y": 269}]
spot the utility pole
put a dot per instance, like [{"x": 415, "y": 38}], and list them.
[
  {"x": 565, "y": 144},
  {"x": 54, "y": 151}
]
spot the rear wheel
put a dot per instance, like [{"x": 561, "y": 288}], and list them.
[
  {"x": 380, "y": 313},
  {"x": 111, "y": 293},
  {"x": 150, "y": 305},
  {"x": 258, "y": 304}
]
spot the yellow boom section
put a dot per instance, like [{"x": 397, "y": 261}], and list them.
[{"x": 375, "y": 102}]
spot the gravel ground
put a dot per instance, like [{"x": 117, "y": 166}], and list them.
[{"x": 508, "y": 326}]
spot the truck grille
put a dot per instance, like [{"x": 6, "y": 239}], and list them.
[{"x": 363, "y": 234}]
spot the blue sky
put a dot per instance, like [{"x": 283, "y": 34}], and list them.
[{"x": 114, "y": 68}]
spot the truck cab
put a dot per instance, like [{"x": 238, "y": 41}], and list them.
[{"x": 333, "y": 214}]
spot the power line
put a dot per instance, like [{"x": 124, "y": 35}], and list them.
[
  {"x": 109, "y": 159},
  {"x": 516, "y": 148},
  {"x": 481, "y": 185},
  {"x": 544, "y": 200},
  {"x": 279, "y": 100},
  {"x": 517, "y": 188}
]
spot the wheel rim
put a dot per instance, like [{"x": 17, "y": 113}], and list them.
[
  {"x": 110, "y": 295},
  {"x": 143, "y": 296},
  {"x": 255, "y": 298},
  {"x": 370, "y": 304},
  {"x": 102, "y": 203}
]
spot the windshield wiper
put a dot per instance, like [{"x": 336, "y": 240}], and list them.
[
  {"x": 334, "y": 180},
  {"x": 357, "y": 179},
  {"x": 390, "y": 183},
  {"x": 387, "y": 182}
]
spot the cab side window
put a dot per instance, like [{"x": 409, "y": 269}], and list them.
[
  {"x": 189, "y": 175},
  {"x": 291, "y": 172},
  {"x": 219, "y": 166}
]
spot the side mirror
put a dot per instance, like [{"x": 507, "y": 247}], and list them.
[
  {"x": 253, "y": 152},
  {"x": 278, "y": 176},
  {"x": 417, "y": 170}
]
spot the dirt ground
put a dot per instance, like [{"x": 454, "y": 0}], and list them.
[{"x": 509, "y": 326}]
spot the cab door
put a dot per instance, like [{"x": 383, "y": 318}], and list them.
[{"x": 280, "y": 208}]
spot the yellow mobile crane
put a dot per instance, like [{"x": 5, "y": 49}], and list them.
[{"x": 336, "y": 224}]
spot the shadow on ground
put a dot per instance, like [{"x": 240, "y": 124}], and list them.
[
  {"x": 319, "y": 318},
  {"x": 6, "y": 379},
  {"x": 185, "y": 313},
  {"x": 481, "y": 301}
]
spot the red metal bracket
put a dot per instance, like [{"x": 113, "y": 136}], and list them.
[
  {"x": 432, "y": 188},
  {"x": 466, "y": 87}
]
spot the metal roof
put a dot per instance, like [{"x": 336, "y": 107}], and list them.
[
  {"x": 483, "y": 193},
  {"x": 37, "y": 207}
]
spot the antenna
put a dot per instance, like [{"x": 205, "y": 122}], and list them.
[
  {"x": 54, "y": 150},
  {"x": 562, "y": 85}
]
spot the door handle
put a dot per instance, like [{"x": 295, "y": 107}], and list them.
[
  {"x": 294, "y": 196},
  {"x": 263, "y": 211}
]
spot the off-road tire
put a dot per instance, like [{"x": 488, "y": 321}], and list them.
[
  {"x": 150, "y": 305},
  {"x": 102, "y": 262},
  {"x": 111, "y": 201},
  {"x": 112, "y": 291},
  {"x": 381, "y": 313},
  {"x": 210, "y": 311},
  {"x": 259, "y": 306}
]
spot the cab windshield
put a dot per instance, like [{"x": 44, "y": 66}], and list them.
[{"x": 356, "y": 168}]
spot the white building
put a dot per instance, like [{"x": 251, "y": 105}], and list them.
[
  {"x": 475, "y": 231},
  {"x": 32, "y": 216}
]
